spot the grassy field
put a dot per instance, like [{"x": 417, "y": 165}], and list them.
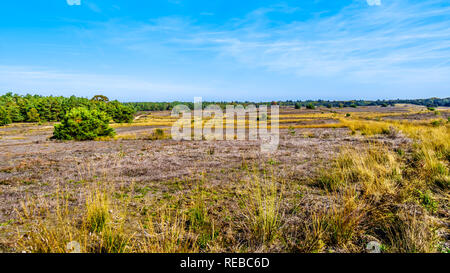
[{"x": 341, "y": 178}]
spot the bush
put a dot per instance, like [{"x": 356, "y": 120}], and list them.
[
  {"x": 83, "y": 124},
  {"x": 157, "y": 134},
  {"x": 436, "y": 123},
  {"x": 310, "y": 106}
]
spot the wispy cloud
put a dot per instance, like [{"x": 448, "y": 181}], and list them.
[
  {"x": 374, "y": 2},
  {"x": 73, "y": 2},
  {"x": 399, "y": 42}
]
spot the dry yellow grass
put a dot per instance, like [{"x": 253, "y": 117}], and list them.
[
  {"x": 262, "y": 200},
  {"x": 416, "y": 177},
  {"x": 167, "y": 233},
  {"x": 376, "y": 169},
  {"x": 344, "y": 221},
  {"x": 61, "y": 231},
  {"x": 366, "y": 127}
]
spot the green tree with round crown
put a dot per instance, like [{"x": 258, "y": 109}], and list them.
[{"x": 83, "y": 124}]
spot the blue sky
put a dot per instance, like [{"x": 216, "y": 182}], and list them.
[{"x": 165, "y": 50}]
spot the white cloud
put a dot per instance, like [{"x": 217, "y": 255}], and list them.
[
  {"x": 401, "y": 43},
  {"x": 73, "y": 2},
  {"x": 374, "y": 2}
]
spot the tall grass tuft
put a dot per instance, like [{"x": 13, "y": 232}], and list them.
[
  {"x": 344, "y": 220},
  {"x": 97, "y": 212},
  {"x": 262, "y": 201},
  {"x": 168, "y": 233},
  {"x": 411, "y": 232}
]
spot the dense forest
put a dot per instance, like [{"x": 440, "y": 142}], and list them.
[
  {"x": 160, "y": 106},
  {"x": 34, "y": 108}
]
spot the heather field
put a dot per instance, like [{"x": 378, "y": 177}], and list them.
[{"x": 341, "y": 178}]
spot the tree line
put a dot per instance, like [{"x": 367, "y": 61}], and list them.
[
  {"x": 431, "y": 102},
  {"x": 309, "y": 104},
  {"x": 35, "y": 108},
  {"x": 163, "y": 106}
]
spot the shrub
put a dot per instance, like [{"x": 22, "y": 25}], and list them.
[
  {"x": 436, "y": 123},
  {"x": 291, "y": 131},
  {"x": 310, "y": 106},
  {"x": 83, "y": 124},
  {"x": 158, "y": 134}
]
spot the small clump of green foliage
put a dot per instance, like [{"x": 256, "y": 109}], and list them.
[
  {"x": 83, "y": 124},
  {"x": 310, "y": 106}
]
